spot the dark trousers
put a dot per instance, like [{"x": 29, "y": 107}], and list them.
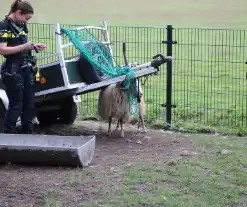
[{"x": 21, "y": 103}]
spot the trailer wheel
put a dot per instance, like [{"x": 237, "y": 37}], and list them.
[
  {"x": 68, "y": 113},
  {"x": 2, "y": 114},
  {"x": 65, "y": 115},
  {"x": 47, "y": 118}
]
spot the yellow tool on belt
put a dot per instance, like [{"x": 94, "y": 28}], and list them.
[{"x": 38, "y": 77}]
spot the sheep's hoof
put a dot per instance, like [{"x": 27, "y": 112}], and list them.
[
  {"x": 142, "y": 131},
  {"x": 108, "y": 134},
  {"x": 122, "y": 135}
]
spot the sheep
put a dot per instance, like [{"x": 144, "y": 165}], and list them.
[{"x": 113, "y": 103}]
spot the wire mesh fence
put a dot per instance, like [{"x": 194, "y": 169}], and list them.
[
  {"x": 209, "y": 76},
  {"x": 208, "y": 81}
]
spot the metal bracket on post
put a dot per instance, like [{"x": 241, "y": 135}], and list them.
[
  {"x": 246, "y": 73},
  {"x": 168, "y": 104},
  {"x": 124, "y": 54}
]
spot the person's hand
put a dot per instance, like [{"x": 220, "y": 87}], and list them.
[
  {"x": 40, "y": 46},
  {"x": 28, "y": 46}
]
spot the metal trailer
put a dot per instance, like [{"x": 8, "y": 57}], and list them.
[
  {"x": 56, "y": 100},
  {"x": 68, "y": 78}
]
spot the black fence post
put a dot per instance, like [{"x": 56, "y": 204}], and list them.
[{"x": 168, "y": 104}]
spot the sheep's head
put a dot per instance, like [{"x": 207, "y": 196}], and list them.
[
  {"x": 121, "y": 86},
  {"x": 135, "y": 87}
]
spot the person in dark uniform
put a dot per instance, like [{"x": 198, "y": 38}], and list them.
[{"x": 17, "y": 71}]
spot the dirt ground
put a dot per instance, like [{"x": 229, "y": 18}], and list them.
[{"x": 40, "y": 186}]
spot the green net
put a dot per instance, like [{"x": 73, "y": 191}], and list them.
[{"x": 100, "y": 57}]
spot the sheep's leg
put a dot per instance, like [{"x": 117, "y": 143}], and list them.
[
  {"x": 143, "y": 124},
  {"x": 109, "y": 127},
  {"x": 122, "y": 129},
  {"x": 117, "y": 125},
  {"x": 139, "y": 121}
]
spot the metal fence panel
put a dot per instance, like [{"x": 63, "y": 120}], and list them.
[
  {"x": 209, "y": 76},
  {"x": 208, "y": 85}
]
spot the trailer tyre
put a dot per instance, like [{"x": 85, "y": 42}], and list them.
[
  {"x": 47, "y": 118},
  {"x": 66, "y": 115},
  {"x": 2, "y": 114}
]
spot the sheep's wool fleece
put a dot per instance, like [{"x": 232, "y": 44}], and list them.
[{"x": 113, "y": 102}]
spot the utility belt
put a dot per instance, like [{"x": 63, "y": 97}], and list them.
[
  {"x": 11, "y": 76},
  {"x": 15, "y": 64},
  {"x": 30, "y": 63}
]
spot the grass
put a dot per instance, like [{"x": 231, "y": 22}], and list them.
[
  {"x": 209, "y": 86},
  {"x": 188, "y": 13},
  {"x": 215, "y": 176},
  {"x": 210, "y": 179}
]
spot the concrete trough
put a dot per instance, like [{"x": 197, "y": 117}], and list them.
[{"x": 72, "y": 151}]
